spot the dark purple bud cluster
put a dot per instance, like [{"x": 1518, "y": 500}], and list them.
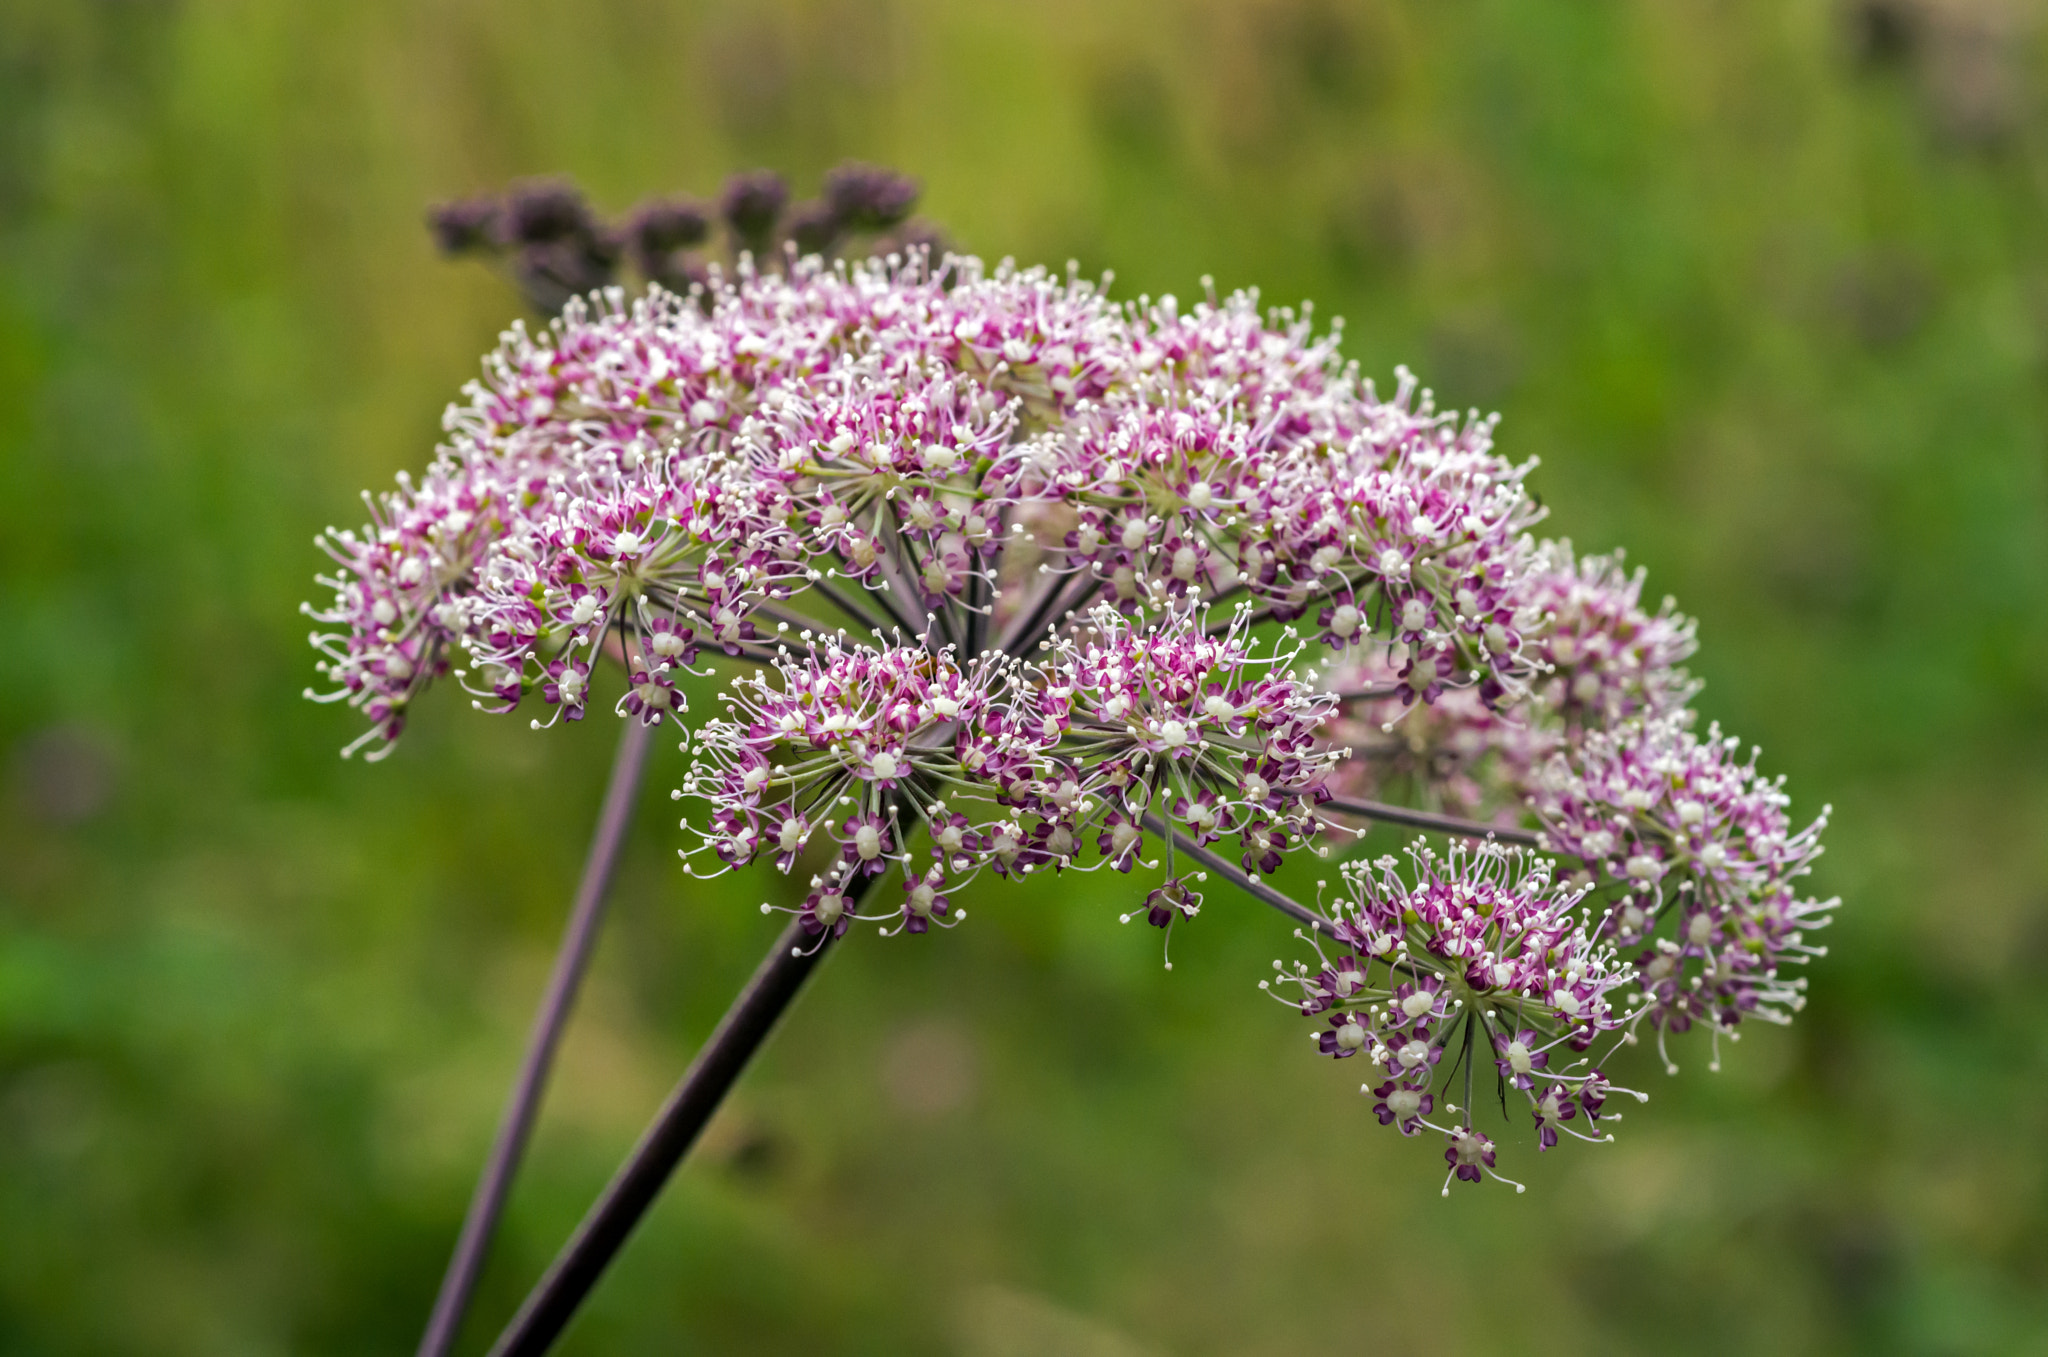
[
  {"x": 557, "y": 248},
  {"x": 751, "y": 206}
]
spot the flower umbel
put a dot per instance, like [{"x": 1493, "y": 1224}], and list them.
[
  {"x": 997, "y": 575},
  {"x": 1474, "y": 949},
  {"x": 1677, "y": 831}
]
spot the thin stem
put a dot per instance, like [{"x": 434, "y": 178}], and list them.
[
  {"x": 759, "y": 652},
  {"x": 934, "y": 618},
  {"x": 884, "y": 596},
  {"x": 1265, "y": 614},
  {"x": 514, "y": 1126},
  {"x": 1035, "y": 612},
  {"x": 1068, "y": 592},
  {"x": 885, "y": 599},
  {"x": 1423, "y": 819},
  {"x": 1076, "y": 599},
  {"x": 845, "y": 605},
  {"x": 1466, "y": 1056},
  {"x": 799, "y": 622},
  {"x": 977, "y": 611},
  {"x": 946, "y": 618},
  {"x": 554, "y": 1301},
  {"x": 1223, "y": 597},
  {"x": 1243, "y": 880}
]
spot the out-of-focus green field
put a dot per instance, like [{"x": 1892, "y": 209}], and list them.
[{"x": 1765, "y": 285}]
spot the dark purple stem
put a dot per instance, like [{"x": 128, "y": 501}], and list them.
[
  {"x": 488, "y": 1201},
  {"x": 1244, "y": 881},
  {"x": 1377, "y": 691},
  {"x": 576, "y": 1269},
  {"x": 1063, "y": 594},
  {"x": 1423, "y": 819},
  {"x": 1265, "y": 614}
]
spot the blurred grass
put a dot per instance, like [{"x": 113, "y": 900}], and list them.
[{"x": 1764, "y": 285}]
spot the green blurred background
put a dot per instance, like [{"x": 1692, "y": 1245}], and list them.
[{"x": 1764, "y": 284}]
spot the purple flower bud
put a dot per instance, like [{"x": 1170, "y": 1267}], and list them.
[
  {"x": 545, "y": 211},
  {"x": 868, "y": 197},
  {"x": 750, "y": 206},
  {"x": 666, "y": 224},
  {"x": 466, "y": 226},
  {"x": 659, "y": 233},
  {"x": 814, "y": 227}
]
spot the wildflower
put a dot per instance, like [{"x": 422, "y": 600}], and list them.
[
  {"x": 1600, "y": 660},
  {"x": 749, "y": 207},
  {"x": 1475, "y": 948},
  {"x": 999, "y": 575},
  {"x": 844, "y": 729},
  {"x": 1011, "y": 765},
  {"x": 1695, "y": 855},
  {"x": 1172, "y": 708}
]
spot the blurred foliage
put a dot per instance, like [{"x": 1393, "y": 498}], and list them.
[{"x": 1765, "y": 285}]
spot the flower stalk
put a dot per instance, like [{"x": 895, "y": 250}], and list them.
[
  {"x": 605, "y": 1229},
  {"x": 1244, "y": 881},
  {"x": 1428, "y": 820},
  {"x": 515, "y": 1127}
]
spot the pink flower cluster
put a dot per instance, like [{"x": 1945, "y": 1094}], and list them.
[
  {"x": 1477, "y": 946},
  {"x": 1606, "y": 658},
  {"x": 1012, "y": 765},
  {"x": 694, "y": 460},
  {"x": 1691, "y": 850},
  {"x": 1689, "y": 834},
  {"x": 1368, "y": 519},
  {"x": 1001, "y": 575},
  {"x": 1601, "y": 661}
]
